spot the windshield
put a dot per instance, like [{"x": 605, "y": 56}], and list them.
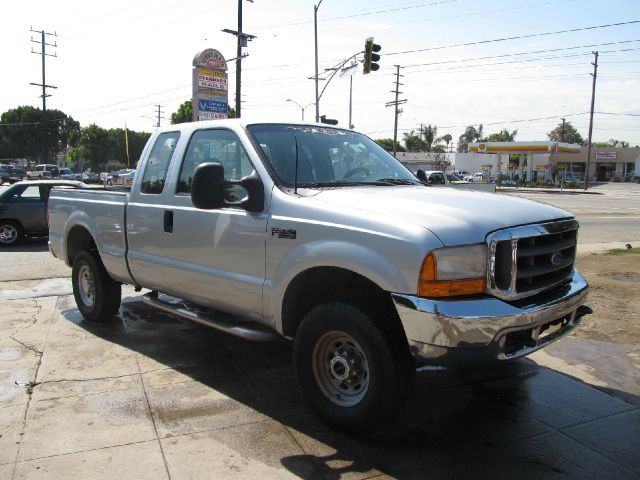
[{"x": 327, "y": 157}]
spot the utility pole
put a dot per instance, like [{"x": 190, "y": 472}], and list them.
[
  {"x": 562, "y": 131},
  {"x": 593, "y": 99},
  {"x": 242, "y": 38},
  {"x": 396, "y": 103},
  {"x": 43, "y": 52},
  {"x": 158, "y": 112}
]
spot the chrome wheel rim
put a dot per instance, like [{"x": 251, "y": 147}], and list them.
[
  {"x": 8, "y": 234},
  {"x": 86, "y": 286},
  {"x": 341, "y": 369}
]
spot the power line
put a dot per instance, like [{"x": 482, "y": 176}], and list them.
[
  {"x": 534, "y": 59},
  {"x": 522, "y": 53},
  {"x": 518, "y": 37}
]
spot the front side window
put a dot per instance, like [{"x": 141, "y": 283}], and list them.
[
  {"x": 317, "y": 157},
  {"x": 155, "y": 170},
  {"x": 30, "y": 194},
  {"x": 216, "y": 145}
]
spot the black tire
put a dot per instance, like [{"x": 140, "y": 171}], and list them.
[
  {"x": 97, "y": 295},
  {"x": 355, "y": 374},
  {"x": 11, "y": 233}
]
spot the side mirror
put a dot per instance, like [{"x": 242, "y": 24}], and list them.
[
  {"x": 209, "y": 189},
  {"x": 422, "y": 176},
  {"x": 207, "y": 186},
  {"x": 255, "y": 193}
]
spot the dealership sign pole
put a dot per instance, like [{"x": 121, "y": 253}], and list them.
[{"x": 210, "y": 86}]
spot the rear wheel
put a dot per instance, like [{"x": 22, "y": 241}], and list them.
[
  {"x": 355, "y": 374},
  {"x": 11, "y": 232},
  {"x": 97, "y": 294}
]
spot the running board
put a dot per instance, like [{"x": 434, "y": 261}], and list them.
[{"x": 247, "y": 330}]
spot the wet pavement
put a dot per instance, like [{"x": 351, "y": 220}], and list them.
[{"x": 153, "y": 396}]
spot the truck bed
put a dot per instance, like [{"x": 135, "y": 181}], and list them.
[{"x": 102, "y": 212}]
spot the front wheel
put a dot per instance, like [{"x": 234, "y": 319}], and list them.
[
  {"x": 97, "y": 294},
  {"x": 11, "y": 233},
  {"x": 355, "y": 374}
]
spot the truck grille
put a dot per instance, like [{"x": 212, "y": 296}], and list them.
[{"x": 527, "y": 260}]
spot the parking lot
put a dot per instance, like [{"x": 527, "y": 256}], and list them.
[{"x": 149, "y": 395}]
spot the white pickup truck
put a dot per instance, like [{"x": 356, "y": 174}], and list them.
[{"x": 318, "y": 235}]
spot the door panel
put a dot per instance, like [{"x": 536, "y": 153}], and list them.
[
  {"x": 146, "y": 215},
  {"x": 216, "y": 257}
]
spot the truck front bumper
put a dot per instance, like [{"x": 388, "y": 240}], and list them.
[{"x": 464, "y": 333}]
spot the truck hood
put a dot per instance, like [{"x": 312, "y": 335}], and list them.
[{"x": 454, "y": 216}]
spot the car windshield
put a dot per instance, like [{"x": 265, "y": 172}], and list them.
[{"x": 326, "y": 157}]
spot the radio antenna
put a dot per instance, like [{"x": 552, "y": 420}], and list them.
[{"x": 295, "y": 174}]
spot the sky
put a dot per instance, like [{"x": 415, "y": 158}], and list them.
[{"x": 514, "y": 64}]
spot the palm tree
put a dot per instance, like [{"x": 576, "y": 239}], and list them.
[
  {"x": 446, "y": 138},
  {"x": 413, "y": 142}
]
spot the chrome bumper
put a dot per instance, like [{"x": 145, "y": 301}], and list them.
[{"x": 464, "y": 333}]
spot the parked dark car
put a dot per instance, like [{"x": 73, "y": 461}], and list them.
[
  {"x": 23, "y": 209},
  {"x": 4, "y": 174},
  {"x": 16, "y": 174}
]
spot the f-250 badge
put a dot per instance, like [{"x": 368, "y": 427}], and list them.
[{"x": 284, "y": 233}]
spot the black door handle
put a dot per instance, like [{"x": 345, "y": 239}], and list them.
[{"x": 168, "y": 221}]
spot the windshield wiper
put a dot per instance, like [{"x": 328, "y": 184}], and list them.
[
  {"x": 397, "y": 181},
  {"x": 335, "y": 183},
  {"x": 350, "y": 183}
]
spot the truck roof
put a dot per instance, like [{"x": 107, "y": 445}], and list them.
[{"x": 239, "y": 122}]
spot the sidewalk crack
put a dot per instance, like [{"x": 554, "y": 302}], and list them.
[{"x": 153, "y": 421}]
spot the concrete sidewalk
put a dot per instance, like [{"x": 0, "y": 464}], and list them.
[{"x": 152, "y": 396}]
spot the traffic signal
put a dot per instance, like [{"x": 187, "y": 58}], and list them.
[{"x": 370, "y": 57}]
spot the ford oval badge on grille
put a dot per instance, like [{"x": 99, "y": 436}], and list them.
[{"x": 556, "y": 259}]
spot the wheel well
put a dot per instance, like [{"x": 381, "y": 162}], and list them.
[
  {"x": 79, "y": 239},
  {"x": 10, "y": 220},
  {"x": 322, "y": 284}
]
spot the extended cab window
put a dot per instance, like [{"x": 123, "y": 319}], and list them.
[
  {"x": 216, "y": 145},
  {"x": 155, "y": 170}
]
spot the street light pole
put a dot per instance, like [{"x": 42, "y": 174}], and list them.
[
  {"x": 315, "y": 30},
  {"x": 301, "y": 107}
]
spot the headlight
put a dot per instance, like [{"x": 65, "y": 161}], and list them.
[{"x": 451, "y": 271}]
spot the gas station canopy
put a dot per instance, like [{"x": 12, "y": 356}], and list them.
[{"x": 524, "y": 147}]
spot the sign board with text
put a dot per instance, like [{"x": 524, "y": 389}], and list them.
[
  {"x": 210, "y": 98},
  {"x": 605, "y": 154}
]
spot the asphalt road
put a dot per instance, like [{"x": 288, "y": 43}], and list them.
[{"x": 610, "y": 214}]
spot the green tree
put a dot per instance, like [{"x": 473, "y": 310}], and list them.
[
  {"x": 471, "y": 134},
  {"x": 565, "y": 133},
  {"x": 30, "y": 133},
  {"x": 95, "y": 147},
  {"x": 184, "y": 113},
  {"x": 446, "y": 138},
  {"x": 503, "y": 136},
  {"x": 387, "y": 144},
  {"x": 618, "y": 143},
  {"x": 429, "y": 133},
  {"x": 413, "y": 142}
]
